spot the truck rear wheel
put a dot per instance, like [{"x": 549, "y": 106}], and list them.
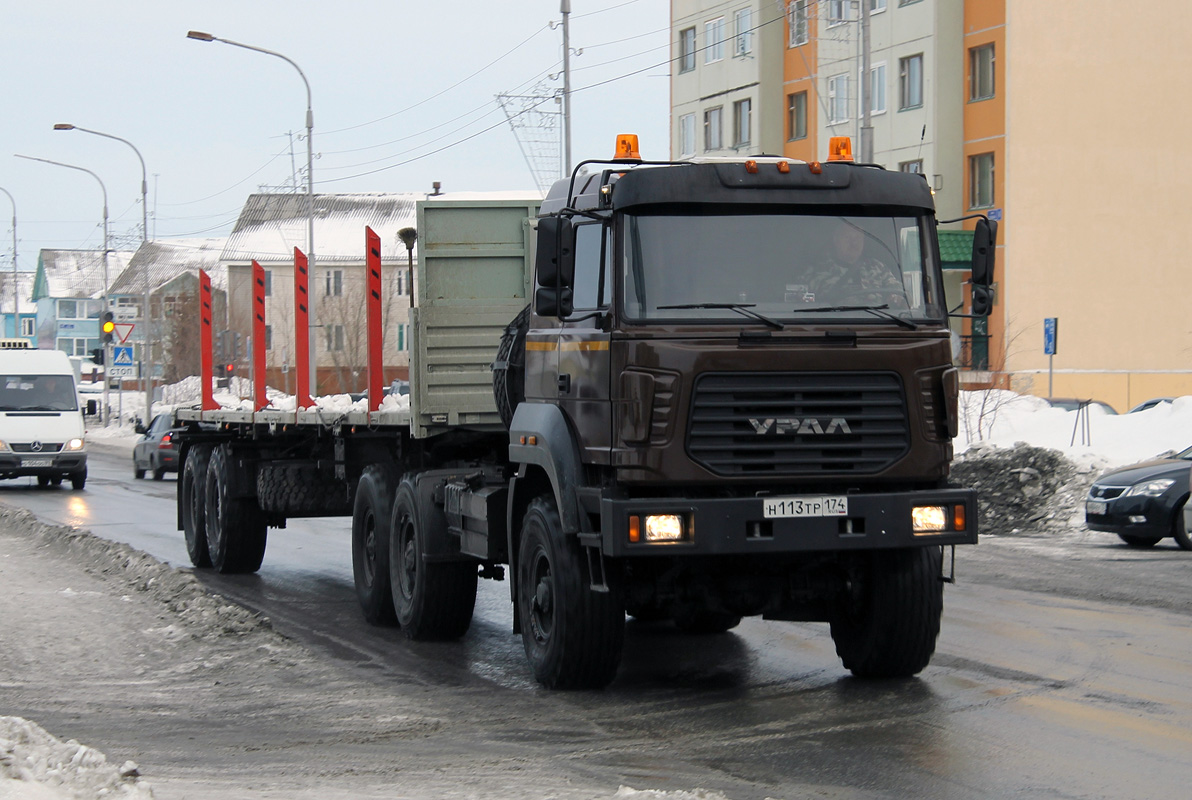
[
  {"x": 235, "y": 526},
  {"x": 192, "y": 496},
  {"x": 572, "y": 635},
  {"x": 370, "y": 542},
  {"x": 888, "y": 627},
  {"x": 434, "y": 600}
]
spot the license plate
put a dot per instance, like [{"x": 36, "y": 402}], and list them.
[
  {"x": 1098, "y": 507},
  {"x": 38, "y": 462},
  {"x": 826, "y": 506}
]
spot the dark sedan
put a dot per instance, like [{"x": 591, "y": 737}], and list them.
[
  {"x": 1143, "y": 503},
  {"x": 157, "y": 449}
]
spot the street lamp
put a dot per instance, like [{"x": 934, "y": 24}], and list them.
[
  {"x": 146, "y": 355},
  {"x": 16, "y": 290},
  {"x": 310, "y": 173},
  {"x": 107, "y": 356}
]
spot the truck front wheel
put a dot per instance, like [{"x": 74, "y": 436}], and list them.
[
  {"x": 572, "y": 634},
  {"x": 235, "y": 526},
  {"x": 370, "y": 542},
  {"x": 434, "y": 600},
  {"x": 888, "y": 625},
  {"x": 193, "y": 499}
]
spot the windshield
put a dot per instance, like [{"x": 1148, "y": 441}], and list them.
[
  {"x": 37, "y": 393},
  {"x": 784, "y": 266}
]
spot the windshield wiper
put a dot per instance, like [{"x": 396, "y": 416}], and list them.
[
  {"x": 744, "y": 309},
  {"x": 879, "y": 311}
]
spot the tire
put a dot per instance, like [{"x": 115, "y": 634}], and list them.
[
  {"x": 43, "y": 481},
  {"x": 78, "y": 480},
  {"x": 300, "y": 490},
  {"x": 1141, "y": 542},
  {"x": 701, "y": 621},
  {"x": 509, "y": 369},
  {"x": 572, "y": 635},
  {"x": 235, "y": 527},
  {"x": 888, "y": 627},
  {"x": 137, "y": 472},
  {"x": 192, "y": 498},
  {"x": 1179, "y": 531},
  {"x": 158, "y": 472},
  {"x": 434, "y": 601},
  {"x": 370, "y": 542},
  {"x": 56, "y": 480}
]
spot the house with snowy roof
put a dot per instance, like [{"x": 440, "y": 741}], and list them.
[
  {"x": 23, "y": 324},
  {"x": 68, "y": 291},
  {"x": 168, "y": 272},
  {"x": 270, "y": 228}
]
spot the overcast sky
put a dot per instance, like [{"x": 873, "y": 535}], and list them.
[{"x": 392, "y": 82}]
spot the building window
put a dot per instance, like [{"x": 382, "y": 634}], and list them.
[
  {"x": 910, "y": 82},
  {"x": 838, "y": 98},
  {"x": 268, "y": 282},
  {"x": 742, "y": 122},
  {"x": 712, "y": 140},
  {"x": 28, "y": 326},
  {"x": 876, "y": 6},
  {"x": 687, "y": 135},
  {"x": 907, "y": 2},
  {"x": 838, "y": 12},
  {"x": 981, "y": 181},
  {"x": 401, "y": 337},
  {"x": 743, "y": 28},
  {"x": 981, "y": 86},
  {"x": 268, "y": 337},
  {"x": 335, "y": 338},
  {"x": 915, "y": 166},
  {"x": 877, "y": 89},
  {"x": 796, "y": 115},
  {"x": 68, "y": 309},
  {"x": 334, "y": 283},
  {"x": 714, "y": 40},
  {"x": 687, "y": 50},
  {"x": 796, "y": 21},
  {"x": 77, "y": 347}
]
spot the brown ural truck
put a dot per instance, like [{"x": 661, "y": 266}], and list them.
[{"x": 699, "y": 416}]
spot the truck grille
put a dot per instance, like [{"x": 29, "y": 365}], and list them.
[{"x": 815, "y": 423}]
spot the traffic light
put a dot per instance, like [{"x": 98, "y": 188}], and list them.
[
  {"x": 229, "y": 370},
  {"x": 97, "y": 356},
  {"x": 107, "y": 328}
]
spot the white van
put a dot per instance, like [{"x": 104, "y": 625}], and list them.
[{"x": 41, "y": 426}]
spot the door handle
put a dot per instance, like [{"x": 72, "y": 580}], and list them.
[{"x": 564, "y": 384}]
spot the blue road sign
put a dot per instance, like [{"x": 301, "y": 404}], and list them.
[
  {"x": 122, "y": 356},
  {"x": 1050, "y": 335}
]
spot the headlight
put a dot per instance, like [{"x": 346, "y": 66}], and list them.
[
  {"x": 660, "y": 528},
  {"x": 73, "y": 444},
  {"x": 4, "y": 448},
  {"x": 938, "y": 519},
  {"x": 1149, "y": 488}
]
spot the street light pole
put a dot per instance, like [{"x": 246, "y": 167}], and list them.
[
  {"x": 146, "y": 353},
  {"x": 107, "y": 356},
  {"x": 16, "y": 289},
  {"x": 310, "y": 177}
]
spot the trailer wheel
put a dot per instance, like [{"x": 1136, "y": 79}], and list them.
[
  {"x": 433, "y": 600},
  {"x": 235, "y": 526},
  {"x": 300, "y": 490},
  {"x": 888, "y": 626},
  {"x": 192, "y": 496},
  {"x": 509, "y": 369},
  {"x": 370, "y": 542},
  {"x": 572, "y": 635}
]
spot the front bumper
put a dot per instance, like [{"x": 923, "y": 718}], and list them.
[
  {"x": 738, "y": 526},
  {"x": 15, "y": 465},
  {"x": 1130, "y": 516}
]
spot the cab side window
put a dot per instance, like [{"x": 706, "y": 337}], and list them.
[{"x": 592, "y": 288}]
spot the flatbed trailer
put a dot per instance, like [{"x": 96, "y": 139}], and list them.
[{"x": 739, "y": 448}]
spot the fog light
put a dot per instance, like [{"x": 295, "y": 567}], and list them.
[
  {"x": 929, "y": 519},
  {"x": 1137, "y": 519}
]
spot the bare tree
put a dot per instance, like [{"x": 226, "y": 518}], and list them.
[{"x": 181, "y": 352}]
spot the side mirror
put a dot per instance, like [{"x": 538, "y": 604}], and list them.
[
  {"x": 140, "y": 428},
  {"x": 554, "y": 267},
  {"x": 984, "y": 251}
]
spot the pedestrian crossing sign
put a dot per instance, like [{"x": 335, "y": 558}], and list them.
[{"x": 122, "y": 356}]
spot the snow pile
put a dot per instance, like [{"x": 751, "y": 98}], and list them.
[
  {"x": 1027, "y": 489},
  {"x": 34, "y": 764}
]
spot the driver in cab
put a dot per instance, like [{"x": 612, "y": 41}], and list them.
[{"x": 849, "y": 276}]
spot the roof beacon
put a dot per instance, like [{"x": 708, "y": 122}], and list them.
[
  {"x": 840, "y": 148},
  {"x": 627, "y": 148}
]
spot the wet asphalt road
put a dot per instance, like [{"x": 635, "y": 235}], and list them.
[{"x": 1033, "y": 692}]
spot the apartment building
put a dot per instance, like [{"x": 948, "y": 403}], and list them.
[{"x": 1027, "y": 112}]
